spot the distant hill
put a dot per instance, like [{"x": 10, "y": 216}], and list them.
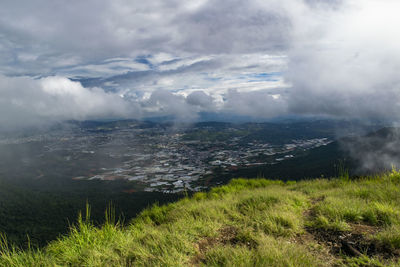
[
  {"x": 324, "y": 161},
  {"x": 375, "y": 152}
]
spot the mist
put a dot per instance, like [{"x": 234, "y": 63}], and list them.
[{"x": 375, "y": 152}]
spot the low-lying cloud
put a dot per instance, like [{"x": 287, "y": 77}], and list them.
[
  {"x": 375, "y": 152},
  {"x": 27, "y": 101}
]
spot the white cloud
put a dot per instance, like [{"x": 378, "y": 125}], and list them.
[
  {"x": 259, "y": 104},
  {"x": 351, "y": 69},
  {"x": 25, "y": 101}
]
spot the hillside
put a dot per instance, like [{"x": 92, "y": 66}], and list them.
[{"x": 245, "y": 223}]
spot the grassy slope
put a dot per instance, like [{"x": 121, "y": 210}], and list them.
[{"x": 245, "y": 223}]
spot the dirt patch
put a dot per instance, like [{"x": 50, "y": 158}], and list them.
[
  {"x": 363, "y": 229},
  {"x": 316, "y": 200},
  {"x": 228, "y": 235},
  {"x": 321, "y": 250},
  {"x": 352, "y": 243},
  {"x": 303, "y": 239}
]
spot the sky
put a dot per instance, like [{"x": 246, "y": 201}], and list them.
[{"x": 262, "y": 59}]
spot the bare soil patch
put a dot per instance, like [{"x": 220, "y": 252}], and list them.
[
  {"x": 352, "y": 243},
  {"x": 227, "y": 236}
]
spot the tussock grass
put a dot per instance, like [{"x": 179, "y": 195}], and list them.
[
  {"x": 245, "y": 223},
  {"x": 389, "y": 237},
  {"x": 373, "y": 201},
  {"x": 269, "y": 252}
]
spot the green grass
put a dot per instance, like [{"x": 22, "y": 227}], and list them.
[{"x": 254, "y": 222}]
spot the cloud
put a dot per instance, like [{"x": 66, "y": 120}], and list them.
[
  {"x": 221, "y": 26},
  {"x": 43, "y": 37},
  {"x": 255, "y": 58},
  {"x": 26, "y": 101},
  {"x": 349, "y": 70},
  {"x": 376, "y": 152},
  {"x": 163, "y": 57},
  {"x": 200, "y": 99},
  {"x": 258, "y": 104}
]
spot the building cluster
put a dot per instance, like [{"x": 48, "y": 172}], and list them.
[{"x": 165, "y": 160}]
